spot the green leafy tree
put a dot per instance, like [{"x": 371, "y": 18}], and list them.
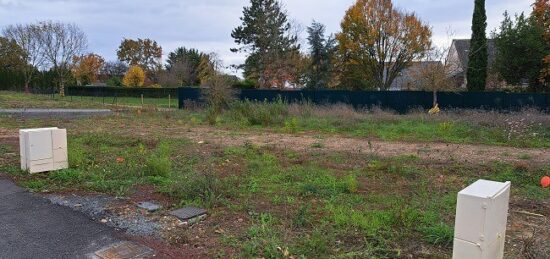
[
  {"x": 184, "y": 63},
  {"x": 265, "y": 34},
  {"x": 520, "y": 50},
  {"x": 478, "y": 56},
  {"x": 145, "y": 53},
  {"x": 208, "y": 67},
  {"x": 322, "y": 51},
  {"x": 11, "y": 55}
]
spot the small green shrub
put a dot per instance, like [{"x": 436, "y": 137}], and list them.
[
  {"x": 77, "y": 153},
  {"x": 440, "y": 234},
  {"x": 159, "y": 163},
  {"x": 263, "y": 239},
  {"x": 204, "y": 188},
  {"x": 291, "y": 124},
  {"x": 260, "y": 113},
  {"x": 218, "y": 96},
  {"x": 350, "y": 184},
  {"x": 67, "y": 176},
  {"x": 35, "y": 184},
  {"x": 316, "y": 245},
  {"x": 302, "y": 217},
  {"x": 317, "y": 145}
]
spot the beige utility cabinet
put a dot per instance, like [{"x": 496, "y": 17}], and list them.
[
  {"x": 481, "y": 216},
  {"x": 43, "y": 149}
]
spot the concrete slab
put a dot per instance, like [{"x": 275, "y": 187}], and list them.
[
  {"x": 149, "y": 206},
  {"x": 188, "y": 213}
]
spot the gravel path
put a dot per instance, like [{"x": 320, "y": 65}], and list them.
[{"x": 97, "y": 208}]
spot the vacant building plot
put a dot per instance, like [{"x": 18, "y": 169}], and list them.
[{"x": 283, "y": 181}]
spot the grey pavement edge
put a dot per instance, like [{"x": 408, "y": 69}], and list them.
[{"x": 64, "y": 113}]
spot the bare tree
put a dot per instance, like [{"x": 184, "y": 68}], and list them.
[
  {"x": 181, "y": 73},
  {"x": 436, "y": 70},
  {"x": 61, "y": 42},
  {"x": 114, "y": 69},
  {"x": 27, "y": 38}
]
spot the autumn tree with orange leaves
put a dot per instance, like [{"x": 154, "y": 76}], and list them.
[
  {"x": 86, "y": 68},
  {"x": 378, "y": 41},
  {"x": 541, "y": 13}
]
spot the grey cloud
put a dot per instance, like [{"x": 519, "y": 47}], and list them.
[{"x": 207, "y": 24}]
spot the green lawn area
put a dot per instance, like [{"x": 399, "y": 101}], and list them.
[{"x": 21, "y": 100}]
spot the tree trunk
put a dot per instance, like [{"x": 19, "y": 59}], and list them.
[
  {"x": 435, "y": 97},
  {"x": 27, "y": 90},
  {"x": 62, "y": 88}
]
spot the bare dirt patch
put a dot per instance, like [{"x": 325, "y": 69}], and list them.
[{"x": 443, "y": 152}]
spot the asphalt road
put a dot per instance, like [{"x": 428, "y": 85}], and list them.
[{"x": 32, "y": 227}]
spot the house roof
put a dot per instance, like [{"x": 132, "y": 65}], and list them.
[{"x": 463, "y": 50}]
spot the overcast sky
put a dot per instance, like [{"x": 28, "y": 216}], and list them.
[{"x": 207, "y": 24}]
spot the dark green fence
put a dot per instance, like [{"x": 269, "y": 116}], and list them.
[
  {"x": 400, "y": 101},
  {"x": 122, "y": 92}
]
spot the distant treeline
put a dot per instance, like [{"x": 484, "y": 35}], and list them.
[{"x": 14, "y": 80}]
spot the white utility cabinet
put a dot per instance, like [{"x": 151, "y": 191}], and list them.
[
  {"x": 43, "y": 149},
  {"x": 481, "y": 216}
]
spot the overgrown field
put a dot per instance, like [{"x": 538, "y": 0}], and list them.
[{"x": 311, "y": 202}]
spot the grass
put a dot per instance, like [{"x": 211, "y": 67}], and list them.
[
  {"x": 21, "y": 100},
  {"x": 475, "y": 127},
  {"x": 462, "y": 127},
  {"x": 375, "y": 207},
  {"x": 312, "y": 203},
  {"x": 485, "y": 128}
]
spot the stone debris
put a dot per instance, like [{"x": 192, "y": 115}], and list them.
[
  {"x": 149, "y": 206},
  {"x": 189, "y": 214}
]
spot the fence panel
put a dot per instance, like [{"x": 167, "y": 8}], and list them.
[
  {"x": 188, "y": 94},
  {"x": 121, "y": 92},
  {"x": 400, "y": 101}
]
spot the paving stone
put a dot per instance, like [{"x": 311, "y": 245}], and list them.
[
  {"x": 149, "y": 206},
  {"x": 125, "y": 250},
  {"x": 188, "y": 213}
]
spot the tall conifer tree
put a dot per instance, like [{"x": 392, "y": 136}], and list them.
[
  {"x": 322, "y": 51},
  {"x": 478, "y": 56},
  {"x": 265, "y": 34}
]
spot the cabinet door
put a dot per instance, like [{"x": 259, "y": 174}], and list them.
[
  {"x": 40, "y": 145},
  {"x": 60, "y": 155},
  {"x": 59, "y": 139},
  {"x": 23, "y": 149}
]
